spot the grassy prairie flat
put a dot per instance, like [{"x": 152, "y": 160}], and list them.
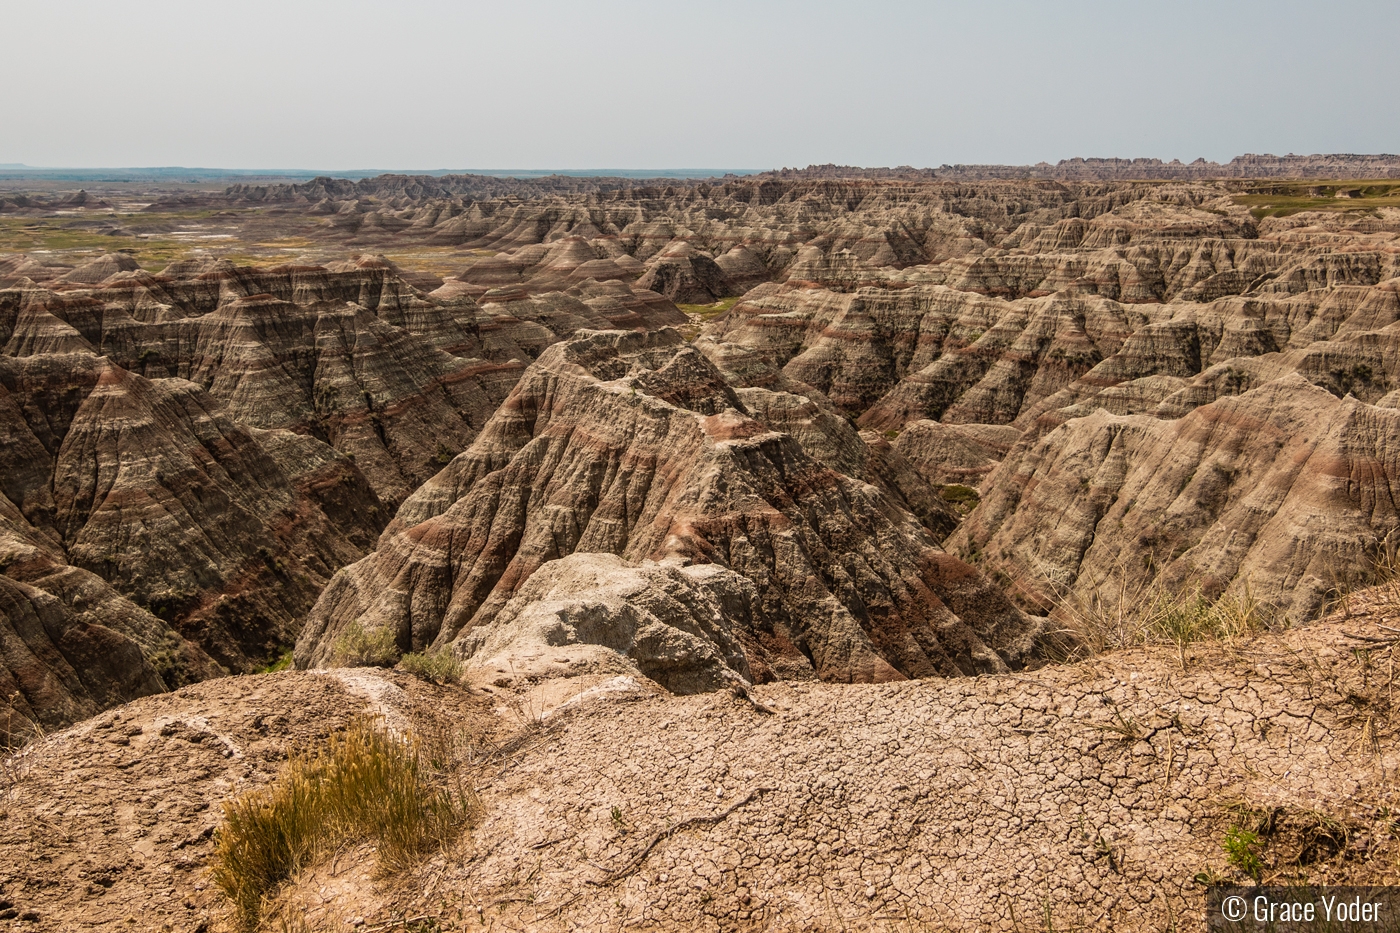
[
  {"x": 700, "y": 315},
  {"x": 244, "y": 236},
  {"x": 1280, "y": 199},
  {"x": 439, "y": 260},
  {"x": 154, "y": 239},
  {"x": 73, "y": 242},
  {"x": 713, "y": 310}
]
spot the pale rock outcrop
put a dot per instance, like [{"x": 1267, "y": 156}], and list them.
[
  {"x": 100, "y": 269},
  {"x": 596, "y": 613},
  {"x": 743, "y": 268}
]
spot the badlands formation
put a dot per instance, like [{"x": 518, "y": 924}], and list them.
[{"x": 769, "y": 520}]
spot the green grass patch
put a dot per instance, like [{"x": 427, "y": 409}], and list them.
[
  {"x": 962, "y": 498},
  {"x": 22, "y": 235},
  {"x": 1265, "y": 199},
  {"x": 710, "y": 311},
  {"x": 149, "y": 237},
  {"x": 1242, "y": 851},
  {"x": 438, "y": 260},
  {"x": 364, "y": 784},
  {"x": 283, "y": 662}
]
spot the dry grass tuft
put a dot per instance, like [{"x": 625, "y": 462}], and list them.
[
  {"x": 439, "y": 667},
  {"x": 17, "y": 730},
  {"x": 1385, "y": 571},
  {"x": 1124, "y": 615},
  {"x": 365, "y": 784},
  {"x": 1371, "y": 587},
  {"x": 357, "y": 646},
  {"x": 16, "y": 736}
]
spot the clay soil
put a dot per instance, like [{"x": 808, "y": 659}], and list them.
[{"x": 1089, "y": 796}]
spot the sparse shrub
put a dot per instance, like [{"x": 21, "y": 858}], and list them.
[
  {"x": 1383, "y": 562},
  {"x": 962, "y": 498},
  {"x": 440, "y": 667},
  {"x": 357, "y": 646},
  {"x": 282, "y": 662},
  {"x": 363, "y": 784},
  {"x": 956, "y": 492},
  {"x": 1193, "y": 618},
  {"x": 168, "y": 661},
  {"x": 14, "y": 763}
]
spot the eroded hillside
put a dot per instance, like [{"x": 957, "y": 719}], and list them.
[
  {"x": 843, "y": 426},
  {"x": 767, "y": 526}
]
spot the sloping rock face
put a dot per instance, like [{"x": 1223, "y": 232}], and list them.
[
  {"x": 147, "y": 540},
  {"x": 1284, "y": 491},
  {"x": 635, "y": 445},
  {"x": 352, "y": 355},
  {"x": 896, "y": 355},
  {"x": 906, "y": 351},
  {"x": 955, "y": 453},
  {"x": 70, "y": 644},
  {"x": 683, "y": 274},
  {"x": 226, "y": 533}
]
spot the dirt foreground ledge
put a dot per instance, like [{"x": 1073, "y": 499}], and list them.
[{"x": 1086, "y": 796}]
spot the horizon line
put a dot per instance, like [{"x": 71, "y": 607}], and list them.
[{"x": 331, "y": 173}]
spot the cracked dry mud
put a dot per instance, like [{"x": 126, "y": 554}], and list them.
[{"x": 1086, "y": 796}]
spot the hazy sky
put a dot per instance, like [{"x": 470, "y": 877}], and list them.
[{"x": 422, "y": 84}]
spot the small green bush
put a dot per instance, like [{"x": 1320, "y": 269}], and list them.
[
  {"x": 357, "y": 646},
  {"x": 962, "y": 498},
  {"x": 364, "y": 784},
  {"x": 440, "y": 667},
  {"x": 1240, "y": 851},
  {"x": 956, "y": 492}
]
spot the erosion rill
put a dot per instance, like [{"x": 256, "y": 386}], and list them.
[{"x": 969, "y": 548}]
